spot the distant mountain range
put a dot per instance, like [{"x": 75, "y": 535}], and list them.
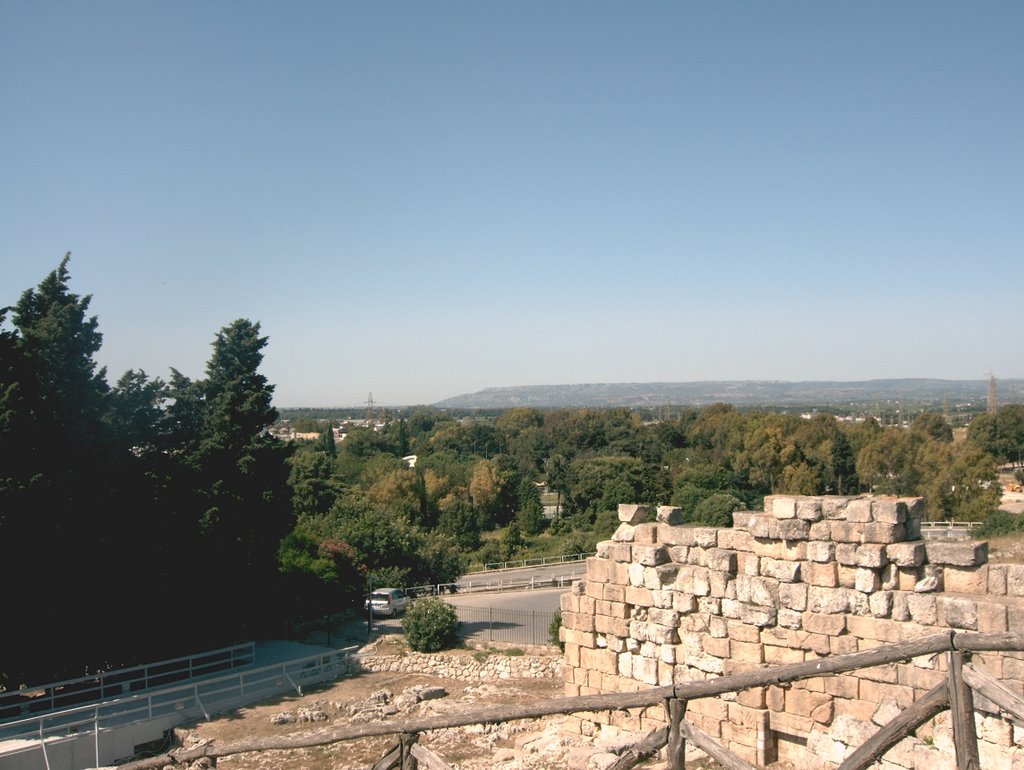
[{"x": 751, "y": 393}]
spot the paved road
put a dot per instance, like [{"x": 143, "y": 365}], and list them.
[{"x": 512, "y": 617}]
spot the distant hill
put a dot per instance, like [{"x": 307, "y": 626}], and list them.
[{"x": 751, "y": 393}]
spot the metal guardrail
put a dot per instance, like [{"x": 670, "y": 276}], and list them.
[
  {"x": 541, "y": 561},
  {"x": 511, "y": 584},
  {"x": 105, "y": 685},
  {"x": 950, "y": 524},
  {"x": 180, "y": 703}
]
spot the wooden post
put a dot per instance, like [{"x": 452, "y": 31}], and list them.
[
  {"x": 675, "y": 751},
  {"x": 406, "y": 741},
  {"x": 961, "y": 706}
]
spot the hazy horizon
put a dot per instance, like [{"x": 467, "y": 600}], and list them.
[{"x": 420, "y": 201}]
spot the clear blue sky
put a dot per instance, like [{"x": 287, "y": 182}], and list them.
[{"x": 422, "y": 199}]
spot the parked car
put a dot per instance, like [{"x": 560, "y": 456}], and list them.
[{"x": 387, "y": 601}]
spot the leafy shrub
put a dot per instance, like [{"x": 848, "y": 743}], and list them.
[
  {"x": 1000, "y": 523},
  {"x": 554, "y": 628},
  {"x": 715, "y": 510},
  {"x": 430, "y": 625}
]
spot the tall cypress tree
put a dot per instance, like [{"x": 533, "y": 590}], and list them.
[
  {"x": 57, "y": 458},
  {"x": 239, "y": 506}
]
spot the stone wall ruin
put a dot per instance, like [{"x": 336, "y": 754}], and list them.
[{"x": 809, "y": 577}]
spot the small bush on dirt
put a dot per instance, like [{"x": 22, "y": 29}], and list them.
[{"x": 430, "y": 625}]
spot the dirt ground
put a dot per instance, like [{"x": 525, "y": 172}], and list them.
[{"x": 472, "y": 748}]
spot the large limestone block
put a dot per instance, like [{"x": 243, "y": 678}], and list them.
[
  {"x": 781, "y": 506},
  {"x": 909, "y": 554},
  {"x": 958, "y": 554},
  {"x": 889, "y": 510},
  {"x": 859, "y": 511},
  {"x": 649, "y": 555},
  {"x": 668, "y": 514},
  {"x": 634, "y": 514},
  {"x": 829, "y": 601}
]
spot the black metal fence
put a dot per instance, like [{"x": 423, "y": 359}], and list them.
[{"x": 485, "y": 624}]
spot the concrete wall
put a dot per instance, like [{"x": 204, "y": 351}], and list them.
[{"x": 808, "y": 577}]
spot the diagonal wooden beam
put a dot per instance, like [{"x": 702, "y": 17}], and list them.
[
  {"x": 713, "y": 748},
  {"x": 923, "y": 709},
  {"x": 427, "y": 759},
  {"x": 995, "y": 691},
  {"x": 645, "y": 749}
]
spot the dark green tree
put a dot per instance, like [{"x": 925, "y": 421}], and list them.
[{"x": 232, "y": 477}]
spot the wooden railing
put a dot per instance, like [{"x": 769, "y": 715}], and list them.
[{"x": 955, "y": 694}]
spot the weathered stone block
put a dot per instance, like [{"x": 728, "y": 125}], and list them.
[
  {"x": 671, "y": 515},
  {"x": 782, "y": 507},
  {"x": 1014, "y": 579},
  {"x": 859, "y": 511},
  {"x": 820, "y": 530},
  {"x": 763, "y": 526},
  {"x": 646, "y": 534},
  {"x": 663, "y": 599},
  {"x": 963, "y": 553},
  {"x": 884, "y": 533},
  {"x": 678, "y": 536},
  {"x": 793, "y": 596},
  {"x": 821, "y": 551},
  {"x": 867, "y": 580},
  {"x": 624, "y": 534},
  {"x": 846, "y": 554},
  {"x": 609, "y": 549},
  {"x": 997, "y": 579},
  {"x": 721, "y": 559},
  {"x": 809, "y": 509},
  {"x": 757, "y": 590},
  {"x": 636, "y": 573},
  {"x": 889, "y": 511},
  {"x": 992, "y": 618},
  {"x": 965, "y": 580},
  {"x": 845, "y": 532},
  {"x": 829, "y": 601},
  {"x": 922, "y": 608},
  {"x": 881, "y": 604},
  {"x": 667, "y": 618},
  {"x": 734, "y": 539},
  {"x": 598, "y": 570},
  {"x": 758, "y": 616},
  {"x": 957, "y": 613},
  {"x": 834, "y": 507},
  {"x": 910, "y": 554},
  {"x": 790, "y": 618},
  {"x": 613, "y": 593},
  {"x": 871, "y": 555},
  {"x": 707, "y": 537},
  {"x": 825, "y": 574},
  {"x": 785, "y": 571},
  {"x": 634, "y": 514},
  {"x": 639, "y": 596},
  {"x": 794, "y": 529}
]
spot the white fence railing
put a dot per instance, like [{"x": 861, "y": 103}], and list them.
[
  {"x": 176, "y": 704},
  {"x": 540, "y": 561},
  {"x": 105, "y": 685}
]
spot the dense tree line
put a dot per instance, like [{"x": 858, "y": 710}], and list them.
[
  {"x": 153, "y": 518},
  {"x": 139, "y": 520}
]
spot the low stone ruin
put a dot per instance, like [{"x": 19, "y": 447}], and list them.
[{"x": 806, "y": 578}]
